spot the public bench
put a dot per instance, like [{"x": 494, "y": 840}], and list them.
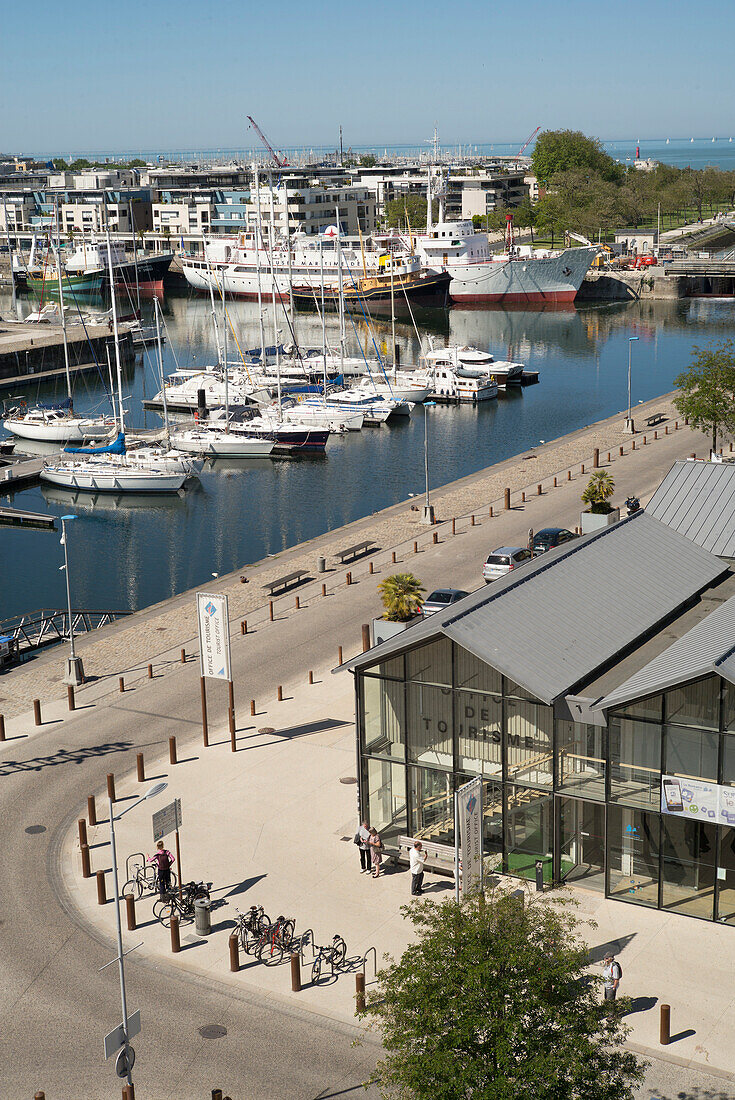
[
  {"x": 286, "y": 582},
  {"x": 439, "y": 857},
  {"x": 656, "y": 418},
  {"x": 350, "y": 553}
]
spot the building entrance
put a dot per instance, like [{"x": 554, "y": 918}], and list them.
[{"x": 582, "y": 843}]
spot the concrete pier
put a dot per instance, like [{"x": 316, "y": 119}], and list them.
[{"x": 38, "y": 349}]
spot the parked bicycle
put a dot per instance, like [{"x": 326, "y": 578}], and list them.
[
  {"x": 183, "y": 907},
  {"x": 274, "y": 941},
  {"x": 334, "y": 956},
  {"x": 142, "y": 877},
  {"x": 250, "y": 926}
]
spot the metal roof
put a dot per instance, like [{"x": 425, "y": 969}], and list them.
[
  {"x": 706, "y": 648},
  {"x": 554, "y": 621},
  {"x": 697, "y": 499}
]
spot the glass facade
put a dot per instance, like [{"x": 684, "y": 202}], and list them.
[{"x": 585, "y": 800}]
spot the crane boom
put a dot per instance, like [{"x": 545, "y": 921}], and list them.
[
  {"x": 527, "y": 142},
  {"x": 278, "y": 158}
]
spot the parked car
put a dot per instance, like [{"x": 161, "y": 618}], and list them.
[
  {"x": 441, "y": 599},
  {"x": 502, "y": 560},
  {"x": 549, "y": 537}
]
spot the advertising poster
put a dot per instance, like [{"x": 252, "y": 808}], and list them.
[
  {"x": 214, "y": 635},
  {"x": 697, "y": 798},
  {"x": 470, "y": 834}
]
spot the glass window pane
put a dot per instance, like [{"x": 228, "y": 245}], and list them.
[
  {"x": 582, "y": 843},
  {"x": 515, "y": 690},
  {"x": 529, "y": 733},
  {"x": 728, "y": 708},
  {"x": 688, "y": 871},
  {"x": 382, "y": 719},
  {"x": 726, "y": 878},
  {"x": 431, "y": 664},
  {"x": 492, "y": 814},
  {"x": 429, "y": 725},
  {"x": 581, "y": 759},
  {"x": 479, "y": 725},
  {"x": 529, "y": 832},
  {"x": 472, "y": 673},
  {"x": 691, "y": 753},
  {"x": 632, "y": 855},
  {"x": 389, "y": 670},
  {"x": 728, "y": 760},
  {"x": 384, "y": 785},
  {"x": 695, "y": 704},
  {"x": 635, "y": 762},
  {"x": 432, "y": 806},
  {"x": 643, "y": 708}
]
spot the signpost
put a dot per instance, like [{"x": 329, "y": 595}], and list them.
[
  {"x": 468, "y": 833},
  {"x": 116, "y": 1037},
  {"x": 213, "y": 621},
  {"x": 165, "y": 821}
]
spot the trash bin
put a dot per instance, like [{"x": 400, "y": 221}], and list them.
[
  {"x": 203, "y": 916},
  {"x": 321, "y": 565}
]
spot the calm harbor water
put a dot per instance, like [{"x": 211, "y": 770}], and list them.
[{"x": 130, "y": 552}]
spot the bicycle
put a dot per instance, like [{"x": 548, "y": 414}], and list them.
[
  {"x": 274, "y": 941},
  {"x": 250, "y": 926},
  {"x": 142, "y": 878},
  {"x": 171, "y": 905},
  {"x": 335, "y": 955}
]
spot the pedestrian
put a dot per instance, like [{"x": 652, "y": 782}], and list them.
[
  {"x": 612, "y": 973},
  {"x": 362, "y": 839},
  {"x": 417, "y": 859},
  {"x": 163, "y": 861},
  {"x": 376, "y": 851}
]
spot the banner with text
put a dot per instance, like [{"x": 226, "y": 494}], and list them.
[
  {"x": 469, "y": 798},
  {"x": 697, "y": 798},
  {"x": 214, "y": 635}
]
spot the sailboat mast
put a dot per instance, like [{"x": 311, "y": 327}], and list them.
[
  {"x": 258, "y": 234},
  {"x": 392, "y": 315},
  {"x": 167, "y": 426},
  {"x": 224, "y": 355},
  {"x": 324, "y": 320},
  {"x": 288, "y": 246},
  {"x": 272, "y": 236},
  {"x": 10, "y": 256},
  {"x": 210, "y": 280},
  {"x": 341, "y": 299},
  {"x": 61, "y": 306},
  {"x": 116, "y": 333}
]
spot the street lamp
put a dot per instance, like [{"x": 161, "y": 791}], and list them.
[
  {"x": 629, "y": 425},
  {"x": 74, "y": 667},
  {"x": 428, "y": 516},
  {"x": 129, "y": 1055}
]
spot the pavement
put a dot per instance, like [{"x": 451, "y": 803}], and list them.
[{"x": 267, "y": 823}]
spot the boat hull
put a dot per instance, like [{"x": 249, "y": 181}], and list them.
[
  {"x": 110, "y": 481},
  {"x": 222, "y": 445},
  {"x": 72, "y": 431},
  {"x": 551, "y": 280},
  {"x": 82, "y": 284}
]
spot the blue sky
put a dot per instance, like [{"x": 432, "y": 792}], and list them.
[{"x": 148, "y": 75}]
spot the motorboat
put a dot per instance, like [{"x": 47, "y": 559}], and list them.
[
  {"x": 469, "y": 362},
  {"x": 213, "y": 440},
  {"x": 375, "y": 410},
  {"x": 446, "y": 385},
  {"x": 395, "y": 386}
]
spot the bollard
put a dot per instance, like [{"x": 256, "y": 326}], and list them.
[
  {"x": 111, "y": 787},
  {"x": 454, "y": 526},
  {"x": 280, "y": 693},
  {"x": 140, "y": 767},
  {"x": 596, "y": 459},
  {"x": 121, "y": 683},
  {"x": 472, "y": 521},
  {"x": 130, "y": 912},
  {"x": 175, "y": 941},
  {"x": 70, "y": 697},
  {"x": 523, "y": 498},
  {"x": 538, "y": 490},
  {"x": 664, "y": 1033},
  {"x": 569, "y": 475},
  {"x": 632, "y": 446},
  {"x": 621, "y": 451},
  {"x": 311, "y": 677},
  {"x": 644, "y": 440},
  {"x": 244, "y": 626},
  {"x": 436, "y": 537},
  {"x": 295, "y": 973},
  {"x": 297, "y": 604},
  {"x": 82, "y": 825},
  {"x": 150, "y": 672},
  {"x": 348, "y": 577},
  {"x": 507, "y": 499},
  {"x": 86, "y": 865},
  {"x": 128, "y": 1092},
  {"x": 217, "y": 1094},
  {"x": 172, "y": 750},
  {"x": 608, "y": 457},
  {"x": 686, "y": 421},
  {"x": 655, "y": 435},
  {"x": 393, "y": 559},
  {"x": 415, "y": 548},
  {"x": 91, "y": 810},
  {"x": 252, "y": 707},
  {"x": 490, "y": 513},
  {"x": 324, "y": 590},
  {"x": 183, "y": 656},
  {"x": 37, "y": 711},
  {"x": 40, "y": 1095},
  {"x": 555, "y": 483},
  {"x": 360, "y": 992},
  {"x": 365, "y": 637},
  {"x": 2, "y": 727},
  {"x": 339, "y": 655},
  {"x": 583, "y": 467},
  {"x": 234, "y": 953},
  {"x": 101, "y": 892},
  {"x": 371, "y": 568},
  {"x": 270, "y": 609},
  {"x": 692, "y": 455}
]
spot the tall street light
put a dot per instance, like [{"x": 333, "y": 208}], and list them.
[
  {"x": 629, "y": 425},
  {"x": 74, "y": 667},
  {"x": 125, "y": 1030},
  {"x": 428, "y": 516}
]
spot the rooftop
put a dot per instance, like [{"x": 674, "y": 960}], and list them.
[{"x": 698, "y": 499}]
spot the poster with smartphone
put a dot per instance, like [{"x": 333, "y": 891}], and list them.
[{"x": 697, "y": 798}]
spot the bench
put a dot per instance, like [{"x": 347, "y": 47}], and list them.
[
  {"x": 657, "y": 418},
  {"x": 350, "y": 553},
  {"x": 439, "y": 857},
  {"x": 290, "y": 580}
]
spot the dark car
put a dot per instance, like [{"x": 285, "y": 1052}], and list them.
[
  {"x": 550, "y": 537},
  {"x": 441, "y": 599}
]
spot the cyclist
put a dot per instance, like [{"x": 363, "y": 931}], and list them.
[{"x": 163, "y": 861}]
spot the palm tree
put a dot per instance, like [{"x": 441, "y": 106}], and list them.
[
  {"x": 401, "y": 596},
  {"x": 600, "y": 488}
]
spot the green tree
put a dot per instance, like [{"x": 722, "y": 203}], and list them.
[
  {"x": 408, "y": 209},
  {"x": 493, "y": 1000},
  {"x": 367, "y": 160},
  {"x": 565, "y": 150},
  {"x": 600, "y": 488},
  {"x": 401, "y": 596},
  {"x": 553, "y": 214},
  {"x": 707, "y": 397}
]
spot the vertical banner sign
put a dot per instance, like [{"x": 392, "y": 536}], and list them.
[
  {"x": 214, "y": 635},
  {"x": 470, "y": 832}
]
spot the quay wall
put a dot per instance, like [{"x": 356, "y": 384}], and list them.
[{"x": 40, "y": 351}]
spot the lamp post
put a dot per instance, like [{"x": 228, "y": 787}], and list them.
[
  {"x": 629, "y": 425},
  {"x": 74, "y": 667},
  {"x": 428, "y": 516},
  {"x": 129, "y": 1056}
]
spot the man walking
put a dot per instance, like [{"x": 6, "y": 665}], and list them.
[
  {"x": 363, "y": 834},
  {"x": 417, "y": 859},
  {"x": 163, "y": 861},
  {"x": 611, "y": 974}
]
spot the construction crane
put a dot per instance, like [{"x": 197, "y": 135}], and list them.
[
  {"x": 523, "y": 147},
  {"x": 278, "y": 158}
]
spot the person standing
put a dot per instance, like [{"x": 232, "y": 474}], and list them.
[
  {"x": 417, "y": 859},
  {"x": 611, "y": 974},
  {"x": 163, "y": 861},
  {"x": 376, "y": 851},
  {"x": 363, "y": 838}
]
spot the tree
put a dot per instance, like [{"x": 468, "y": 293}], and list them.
[
  {"x": 600, "y": 488},
  {"x": 409, "y": 209},
  {"x": 707, "y": 397},
  {"x": 401, "y": 596},
  {"x": 492, "y": 1000},
  {"x": 553, "y": 214},
  {"x": 565, "y": 150},
  {"x": 367, "y": 160}
]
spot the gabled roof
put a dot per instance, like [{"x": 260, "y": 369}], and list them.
[
  {"x": 708, "y": 647},
  {"x": 697, "y": 499},
  {"x": 550, "y": 624}
]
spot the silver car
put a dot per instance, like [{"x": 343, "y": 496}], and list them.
[
  {"x": 441, "y": 599},
  {"x": 502, "y": 560}
]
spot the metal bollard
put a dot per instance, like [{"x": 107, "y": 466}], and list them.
[
  {"x": 217, "y": 1094},
  {"x": 365, "y": 637},
  {"x": 297, "y": 604},
  {"x": 111, "y": 787},
  {"x": 583, "y": 467},
  {"x": 472, "y": 521},
  {"x": 252, "y": 708},
  {"x": 632, "y": 446},
  {"x": 71, "y": 705},
  {"x": 86, "y": 865},
  {"x": 2, "y": 727},
  {"x": 91, "y": 810},
  {"x": 556, "y": 484},
  {"x": 234, "y": 953},
  {"x": 270, "y": 610},
  {"x": 150, "y": 672},
  {"x": 393, "y": 558},
  {"x": 295, "y": 973},
  {"x": 490, "y": 513},
  {"x": 608, "y": 457},
  {"x": 538, "y": 490},
  {"x": 339, "y": 655},
  {"x": 130, "y": 912},
  {"x": 523, "y": 498},
  {"x": 621, "y": 451},
  {"x": 507, "y": 499},
  {"x": 348, "y": 579},
  {"x": 101, "y": 892},
  {"x": 279, "y": 694},
  {"x": 371, "y": 568},
  {"x": 655, "y": 435},
  {"x": 644, "y": 440},
  {"x": 183, "y": 656},
  {"x": 175, "y": 941},
  {"x": 596, "y": 459},
  {"x": 311, "y": 677},
  {"x": 569, "y": 475},
  {"x": 82, "y": 826},
  {"x": 454, "y": 526},
  {"x": 360, "y": 992},
  {"x": 324, "y": 590},
  {"x": 140, "y": 767},
  {"x": 415, "y": 548},
  {"x": 436, "y": 537},
  {"x": 37, "y": 711},
  {"x": 128, "y": 1092},
  {"x": 121, "y": 683},
  {"x": 244, "y": 626},
  {"x": 40, "y": 1095},
  {"x": 172, "y": 750},
  {"x": 664, "y": 1031}
]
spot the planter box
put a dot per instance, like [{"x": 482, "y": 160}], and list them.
[
  {"x": 593, "y": 521},
  {"x": 382, "y": 630}
]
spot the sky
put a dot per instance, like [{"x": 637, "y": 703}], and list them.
[{"x": 86, "y": 75}]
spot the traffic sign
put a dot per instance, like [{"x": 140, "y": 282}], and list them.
[
  {"x": 125, "y": 1061},
  {"x": 167, "y": 820},
  {"x": 116, "y": 1038}
]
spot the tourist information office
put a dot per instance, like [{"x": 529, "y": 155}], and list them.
[{"x": 596, "y": 700}]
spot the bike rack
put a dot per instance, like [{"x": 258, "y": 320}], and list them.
[
  {"x": 375, "y": 961},
  {"x": 141, "y": 857}
]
